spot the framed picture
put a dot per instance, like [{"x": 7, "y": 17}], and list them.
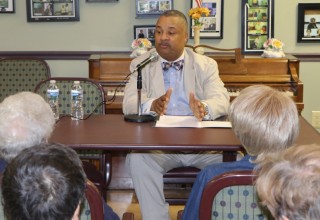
[
  {"x": 144, "y": 31},
  {"x": 152, "y": 8},
  {"x": 213, "y": 24},
  {"x": 308, "y": 22},
  {"x": 46, "y": 10},
  {"x": 257, "y": 24},
  {"x": 6, "y": 6},
  {"x": 102, "y": 0}
]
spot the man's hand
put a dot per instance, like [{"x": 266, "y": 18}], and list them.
[
  {"x": 196, "y": 107},
  {"x": 160, "y": 105}
]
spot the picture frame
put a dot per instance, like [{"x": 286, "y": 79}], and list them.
[
  {"x": 6, "y": 6},
  {"x": 257, "y": 24},
  {"x": 212, "y": 27},
  {"x": 152, "y": 8},
  {"x": 96, "y": 1},
  {"x": 147, "y": 31},
  {"x": 308, "y": 23},
  {"x": 52, "y": 11}
]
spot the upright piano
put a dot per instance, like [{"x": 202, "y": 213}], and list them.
[{"x": 237, "y": 71}]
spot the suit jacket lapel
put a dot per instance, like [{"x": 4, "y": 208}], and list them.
[{"x": 189, "y": 73}]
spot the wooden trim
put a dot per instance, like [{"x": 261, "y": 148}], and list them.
[
  {"x": 55, "y": 55},
  {"x": 84, "y": 55},
  {"x": 307, "y": 57}
]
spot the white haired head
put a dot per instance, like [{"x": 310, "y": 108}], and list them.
[{"x": 25, "y": 120}]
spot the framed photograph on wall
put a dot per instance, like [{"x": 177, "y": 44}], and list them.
[
  {"x": 144, "y": 31},
  {"x": 62, "y": 10},
  {"x": 152, "y": 8},
  {"x": 102, "y": 0},
  {"x": 257, "y": 24},
  {"x": 213, "y": 24},
  {"x": 308, "y": 22},
  {"x": 6, "y": 6}
]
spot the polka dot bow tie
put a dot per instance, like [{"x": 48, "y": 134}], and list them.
[{"x": 177, "y": 65}]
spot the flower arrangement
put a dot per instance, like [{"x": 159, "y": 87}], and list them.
[
  {"x": 141, "y": 43},
  {"x": 273, "y": 44},
  {"x": 140, "y": 46},
  {"x": 198, "y": 12},
  {"x": 273, "y": 48}
]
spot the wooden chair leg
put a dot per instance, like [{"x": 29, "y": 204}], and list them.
[
  {"x": 127, "y": 216},
  {"x": 179, "y": 214},
  {"x": 107, "y": 167}
]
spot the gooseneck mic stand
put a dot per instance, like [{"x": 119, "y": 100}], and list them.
[{"x": 139, "y": 117}]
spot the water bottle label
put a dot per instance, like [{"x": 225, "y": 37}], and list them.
[
  {"x": 53, "y": 92},
  {"x": 75, "y": 92}
]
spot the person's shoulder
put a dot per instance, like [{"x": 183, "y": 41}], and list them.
[
  {"x": 218, "y": 168},
  {"x": 198, "y": 57}
]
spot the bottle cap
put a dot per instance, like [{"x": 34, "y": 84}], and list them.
[
  {"x": 52, "y": 81},
  {"x": 76, "y": 82}
]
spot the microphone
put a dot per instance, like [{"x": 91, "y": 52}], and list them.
[
  {"x": 142, "y": 117},
  {"x": 153, "y": 57}
]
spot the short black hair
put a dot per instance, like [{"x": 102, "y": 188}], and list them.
[
  {"x": 43, "y": 182},
  {"x": 175, "y": 13}
]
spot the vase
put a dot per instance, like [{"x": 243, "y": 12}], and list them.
[
  {"x": 273, "y": 53},
  {"x": 196, "y": 39},
  {"x": 138, "y": 51}
]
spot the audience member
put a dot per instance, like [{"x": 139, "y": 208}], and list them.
[
  {"x": 289, "y": 183},
  {"x": 192, "y": 88},
  {"x": 265, "y": 121},
  {"x": 27, "y": 120},
  {"x": 44, "y": 182}
]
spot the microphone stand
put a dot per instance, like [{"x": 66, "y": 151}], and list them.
[{"x": 139, "y": 117}]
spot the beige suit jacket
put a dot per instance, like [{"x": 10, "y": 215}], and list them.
[{"x": 201, "y": 76}]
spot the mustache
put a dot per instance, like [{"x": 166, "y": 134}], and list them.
[{"x": 164, "y": 43}]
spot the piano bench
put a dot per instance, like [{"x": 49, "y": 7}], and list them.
[{"x": 180, "y": 176}]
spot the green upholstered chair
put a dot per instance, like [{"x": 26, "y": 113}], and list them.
[
  {"x": 21, "y": 74},
  {"x": 232, "y": 195},
  {"x": 93, "y": 94},
  {"x": 93, "y": 103}
]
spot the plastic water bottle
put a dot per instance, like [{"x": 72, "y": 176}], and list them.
[
  {"x": 53, "y": 98},
  {"x": 76, "y": 101}
]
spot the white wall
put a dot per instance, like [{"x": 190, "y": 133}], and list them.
[
  {"x": 109, "y": 27},
  {"x": 310, "y": 76}
]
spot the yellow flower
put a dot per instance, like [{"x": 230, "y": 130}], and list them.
[
  {"x": 197, "y": 13},
  {"x": 277, "y": 44}
]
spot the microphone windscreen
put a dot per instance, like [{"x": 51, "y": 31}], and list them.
[{"x": 154, "y": 56}]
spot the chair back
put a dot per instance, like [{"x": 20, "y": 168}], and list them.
[
  {"x": 93, "y": 197},
  {"x": 232, "y": 195},
  {"x": 93, "y": 94},
  {"x": 21, "y": 74}
]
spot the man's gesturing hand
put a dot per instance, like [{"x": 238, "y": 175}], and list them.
[
  {"x": 160, "y": 105},
  {"x": 196, "y": 107}
]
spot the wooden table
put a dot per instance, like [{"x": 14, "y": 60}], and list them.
[{"x": 112, "y": 133}]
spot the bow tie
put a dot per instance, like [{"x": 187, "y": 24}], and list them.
[{"x": 177, "y": 65}]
